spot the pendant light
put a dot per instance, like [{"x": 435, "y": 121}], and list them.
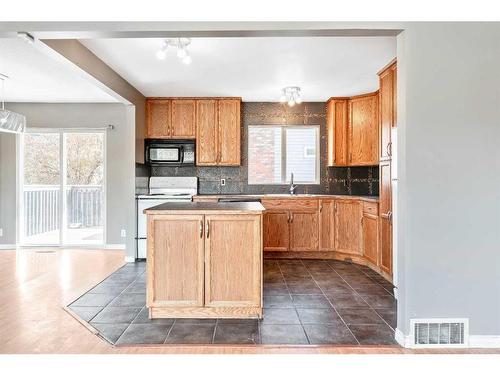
[{"x": 10, "y": 122}]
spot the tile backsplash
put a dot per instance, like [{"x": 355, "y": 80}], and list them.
[{"x": 334, "y": 180}]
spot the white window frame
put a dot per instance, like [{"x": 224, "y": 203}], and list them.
[
  {"x": 62, "y": 183},
  {"x": 284, "y": 177}
]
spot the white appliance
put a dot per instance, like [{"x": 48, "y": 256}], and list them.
[{"x": 161, "y": 190}]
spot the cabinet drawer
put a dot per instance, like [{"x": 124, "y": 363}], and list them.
[
  {"x": 290, "y": 204},
  {"x": 370, "y": 208}
]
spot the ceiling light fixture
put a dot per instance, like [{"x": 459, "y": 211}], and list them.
[
  {"x": 10, "y": 122},
  {"x": 291, "y": 95},
  {"x": 182, "y": 51}
]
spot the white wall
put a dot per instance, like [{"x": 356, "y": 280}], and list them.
[
  {"x": 120, "y": 168},
  {"x": 449, "y": 174}
]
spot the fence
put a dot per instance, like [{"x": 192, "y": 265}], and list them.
[{"x": 42, "y": 205}]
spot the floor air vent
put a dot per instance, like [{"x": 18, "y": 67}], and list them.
[{"x": 439, "y": 333}]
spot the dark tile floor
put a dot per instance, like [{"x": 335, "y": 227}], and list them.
[{"x": 305, "y": 302}]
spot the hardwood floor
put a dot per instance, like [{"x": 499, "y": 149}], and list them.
[{"x": 36, "y": 284}]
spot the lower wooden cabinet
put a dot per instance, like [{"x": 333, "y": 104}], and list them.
[
  {"x": 276, "y": 235},
  {"x": 348, "y": 227},
  {"x": 304, "y": 231},
  {"x": 203, "y": 266},
  {"x": 385, "y": 244},
  {"x": 176, "y": 265},
  {"x": 327, "y": 225},
  {"x": 232, "y": 261},
  {"x": 370, "y": 238}
]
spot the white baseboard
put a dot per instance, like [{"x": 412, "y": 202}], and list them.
[
  {"x": 484, "y": 341},
  {"x": 401, "y": 339},
  {"x": 475, "y": 341},
  {"x": 129, "y": 259},
  {"x": 8, "y": 247},
  {"x": 118, "y": 246}
]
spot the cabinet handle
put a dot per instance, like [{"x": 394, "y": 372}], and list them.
[
  {"x": 389, "y": 216},
  {"x": 320, "y": 207},
  {"x": 389, "y": 149},
  {"x": 201, "y": 228},
  {"x": 291, "y": 218},
  {"x": 288, "y": 217},
  {"x": 208, "y": 229}
]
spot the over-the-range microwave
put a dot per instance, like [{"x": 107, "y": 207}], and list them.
[{"x": 174, "y": 152}]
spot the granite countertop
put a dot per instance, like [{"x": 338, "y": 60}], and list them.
[
  {"x": 288, "y": 196},
  {"x": 206, "y": 207}
]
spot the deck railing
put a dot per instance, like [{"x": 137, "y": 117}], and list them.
[{"x": 42, "y": 207}]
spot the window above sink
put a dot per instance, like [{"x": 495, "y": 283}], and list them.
[{"x": 275, "y": 152}]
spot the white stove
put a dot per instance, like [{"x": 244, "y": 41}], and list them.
[{"x": 161, "y": 190}]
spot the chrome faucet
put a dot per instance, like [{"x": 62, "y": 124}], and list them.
[{"x": 292, "y": 185}]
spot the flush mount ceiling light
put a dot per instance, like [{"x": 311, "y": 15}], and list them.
[
  {"x": 10, "y": 122},
  {"x": 291, "y": 95},
  {"x": 181, "y": 45}
]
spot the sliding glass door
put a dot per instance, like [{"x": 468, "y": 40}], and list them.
[{"x": 62, "y": 188}]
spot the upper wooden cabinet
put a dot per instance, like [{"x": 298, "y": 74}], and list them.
[
  {"x": 363, "y": 130},
  {"x": 158, "y": 118},
  {"x": 337, "y": 131},
  {"x": 229, "y": 132},
  {"x": 207, "y": 132},
  {"x": 183, "y": 118},
  {"x": 215, "y": 123},
  {"x": 352, "y": 128},
  {"x": 388, "y": 106},
  {"x": 218, "y": 132},
  {"x": 170, "y": 118}
]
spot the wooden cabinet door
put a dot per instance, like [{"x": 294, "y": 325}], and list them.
[
  {"x": 386, "y": 244},
  {"x": 394, "y": 96},
  {"x": 276, "y": 230},
  {"x": 206, "y": 132},
  {"x": 348, "y": 215},
  {"x": 363, "y": 130},
  {"x": 385, "y": 191},
  {"x": 229, "y": 132},
  {"x": 370, "y": 238},
  {"x": 327, "y": 225},
  {"x": 233, "y": 260},
  {"x": 385, "y": 205},
  {"x": 183, "y": 118},
  {"x": 386, "y": 112},
  {"x": 175, "y": 261},
  {"x": 158, "y": 118},
  {"x": 336, "y": 113},
  {"x": 304, "y": 231}
]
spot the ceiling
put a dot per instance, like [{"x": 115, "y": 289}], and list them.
[
  {"x": 254, "y": 68},
  {"x": 36, "y": 77}
]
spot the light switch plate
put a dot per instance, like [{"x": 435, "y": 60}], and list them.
[
  {"x": 123, "y": 233},
  {"x": 1, "y": 232},
  {"x": 222, "y": 182}
]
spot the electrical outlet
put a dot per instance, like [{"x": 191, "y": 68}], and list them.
[
  {"x": 1, "y": 232},
  {"x": 123, "y": 233},
  {"x": 222, "y": 182}
]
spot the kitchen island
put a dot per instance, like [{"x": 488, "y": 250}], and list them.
[{"x": 204, "y": 260}]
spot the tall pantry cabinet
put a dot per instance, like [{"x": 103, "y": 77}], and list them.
[{"x": 388, "y": 117}]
